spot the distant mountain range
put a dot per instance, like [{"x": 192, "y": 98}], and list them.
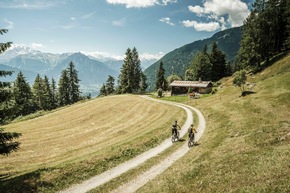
[
  {"x": 92, "y": 72},
  {"x": 178, "y": 60},
  {"x": 94, "y": 69}
]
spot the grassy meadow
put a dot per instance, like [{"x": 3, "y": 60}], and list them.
[
  {"x": 246, "y": 144},
  {"x": 74, "y": 143}
]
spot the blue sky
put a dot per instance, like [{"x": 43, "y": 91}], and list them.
[{"x": 109, "y": 27}]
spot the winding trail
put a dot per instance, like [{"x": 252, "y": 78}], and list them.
[{"x": 142, "y": 179}]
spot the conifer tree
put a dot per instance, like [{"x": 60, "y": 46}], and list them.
[
  {"x": 47, "y": 94},
  {"x": 53, "y": 94},
  {"x": 161, "y": 81},
  {"x": 23, "y": 96},
  {"x": 63, "y": 89},
  {"x": 201, "y": 66},
  {"x": 136, "y": 66},
  {"x": 74, "y": 91},
  {"x": 37, "y": 90},
  {"x": 103, "y": 91},
  {"x": 7, "y": 143},
  {"x": 126, "y": 76},
  {"x": 143, "y": 82},
  {"x": 218, "y": 61},
  {"x": 110, "y": 85}
]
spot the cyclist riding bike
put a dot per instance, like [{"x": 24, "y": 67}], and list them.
[
  {"x": 174, "y": 128},
  {"x": 191, "y": 131}
]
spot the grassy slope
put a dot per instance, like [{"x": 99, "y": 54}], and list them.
[
  {"x": 246, "y": 146},
  {"x": 74, "y": 143}
]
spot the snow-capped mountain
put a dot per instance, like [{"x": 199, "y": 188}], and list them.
[{"x": 93, "y": 67}]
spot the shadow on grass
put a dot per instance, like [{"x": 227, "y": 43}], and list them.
[
  {"x": 29, "y": 182},
  {"x": 245, "y": 93}
]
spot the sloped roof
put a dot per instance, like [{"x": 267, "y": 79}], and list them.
[{"x": 202, "y": 84}]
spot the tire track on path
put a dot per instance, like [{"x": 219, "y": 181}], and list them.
[{"x": 130, "y": 164}]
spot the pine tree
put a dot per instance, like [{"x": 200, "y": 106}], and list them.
[
  {"x": 218, "y": 61},
  {"x": 143, "y": 83},
  {"x": 7, "y": 145},
  {"x": 74, "y": 91},
  {"x": 201, "y": 66},
  {"x": 23, "y": 96},
  {"x": 37, "y": 90},
  {"x": 161, "y": 81},
  {"x": 126, "y": 75},
  {"x": 47, "y": 94},
  {"x": 103, "y": 91},
  {"x": 53, "y": 94},
  {"x": 136, "y": 65},
  {"x": 63, "y": 89},
  {"x": 110, "y": 85}
]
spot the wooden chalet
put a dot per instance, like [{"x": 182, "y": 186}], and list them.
[{"x": 181, "y": 87}]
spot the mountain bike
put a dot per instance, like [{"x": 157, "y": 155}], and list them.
[
  {"x": 191, "y": 140},
  {"x": 175, "y": 137}
]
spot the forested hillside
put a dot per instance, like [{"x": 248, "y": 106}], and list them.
[{"x": 177, "y": 61}]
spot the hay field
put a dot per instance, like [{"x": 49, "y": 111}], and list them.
[{"x": 97, "y": 128}]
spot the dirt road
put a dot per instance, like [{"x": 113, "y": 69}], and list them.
[{"x": 152, "y": 172}]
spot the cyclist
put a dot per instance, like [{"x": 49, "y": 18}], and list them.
[
  {"x": 174, "y": 128},
  {"x": 191, "y": 131}
]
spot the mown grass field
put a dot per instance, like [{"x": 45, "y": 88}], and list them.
[
  {"x": 74, "y": 143},
  {"x": 246, "y": 145}
]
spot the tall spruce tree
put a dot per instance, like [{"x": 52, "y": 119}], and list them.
[
  {"x": 53, "y": 94},
  {"x": 126, "y": 76},
  {"x": 23, "y": 96},
  {"x": 160, "y": 80},
  {"x": 63, "y": 89},
  {"x": 37, "y": 90},
  {"x": 7, "y": 143},
  {"x": 218, "y": 61},
  {"x": 103, "y": 91},
  {"x": 74, "y": 91},
  {"x": 47, "y": 94},
  {"x": 110, "y": 85},
  {"x": 201, "y": 66},
  {"x": 136, "y": 65},
  {"x": 143, "y": 83}
]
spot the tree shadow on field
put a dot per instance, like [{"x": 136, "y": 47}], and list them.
[
  {"x": 181, "y": 140},
  {"x": 26, "y": 183}
]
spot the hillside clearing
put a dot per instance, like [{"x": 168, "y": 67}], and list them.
[{"x": 91, "y": 136}]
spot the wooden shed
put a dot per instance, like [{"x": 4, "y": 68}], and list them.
[{"x": 182, "y": 87}]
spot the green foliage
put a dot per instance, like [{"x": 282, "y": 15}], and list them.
[
  {"x": 240, "y": 79},
  {"x": 161, "y": 81},
  {"x": 159, "y": 92},
  {"x": 7, "y": 145},
  {"x": 110, "y": 85},
  {"x": 143, "y": 83},
  {"x": 63, "y": 89},
  {"x": 131, "y": 74},
  {"x": 23, "y": 96},
  {"x": 74, "y": 92},
  {"x": 179, "y": 60},
  {"x": 256, "y": 45},
  {"x": 103, "y": 91},
  {"x": 201, "y": 67},
  {"x": 218, "y": 61},
  {"x": 172, "y": 78}
]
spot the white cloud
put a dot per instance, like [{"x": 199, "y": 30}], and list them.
[
  {"x": 121, "y": 22},
  {"x": 37, "y": 45},
  {"x": 236, "y": 11},
  {"x": 167, "y": 21},
  {"x": 196, "y": 9},
  {"x": 141, "y": 3},
  {"x": 10, "y": 24},
  {"x": 209, "y": 27}
]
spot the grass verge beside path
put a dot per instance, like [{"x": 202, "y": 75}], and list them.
[
  {"x": 246, "y": 145},
  {"x": 83, "y": 140}
]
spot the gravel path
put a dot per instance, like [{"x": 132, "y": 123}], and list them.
[{"x": 155, "y": 170}]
